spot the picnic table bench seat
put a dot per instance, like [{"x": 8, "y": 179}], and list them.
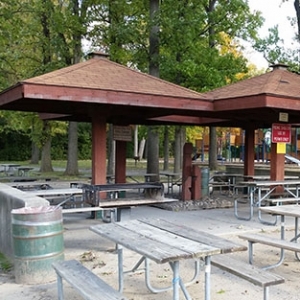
[
  {"x": 248, "y": 272},
  {"x": 279, "y": 201},
  {"x": 87, "y": 284},
  {"x": 253, "y": 238},
  {"x": 93, "y": 193},
  {"x": 282, "y": 244}
]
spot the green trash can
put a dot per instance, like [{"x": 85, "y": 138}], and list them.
[
  {"x": 204, "y": 182},
  {"x": 37, "y": 242}
]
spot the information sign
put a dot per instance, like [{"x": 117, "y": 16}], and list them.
[
  {"x": 281, "y": 133},
  {"x": 122, "y": 133}
]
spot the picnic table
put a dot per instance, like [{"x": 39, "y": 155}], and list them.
[
  {"x": 94, "y": 194},
  {"x": 164, "y": 242},
  {"x": 259, "y": 191},
  {"x": 283, "y": 211},
  {"x": 30, "y": 185},
  {"x": 172, "y": 179},
  {"x": 64, "y": 195},
  {"x": 147, "y": 176},
  {"x": 24, "y": 171},
  {"x": 9, "y": 168}
]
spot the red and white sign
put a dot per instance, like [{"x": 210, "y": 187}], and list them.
[{"x": 281, "y": 133}]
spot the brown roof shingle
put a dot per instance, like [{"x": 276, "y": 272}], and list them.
[
  {"x": 278, "y": 82},
  {"x": 101, "y": 73}
]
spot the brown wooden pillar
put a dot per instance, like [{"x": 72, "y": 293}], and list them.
[
  {"x": 98, "y": 150},
  {"x": 277, "y": 163},
  {"x": 187, "y": 172},
  {"x": 249, "y": 151},
  {"x": 120, "y": 166},
  {"x": 196, "y": 183}
]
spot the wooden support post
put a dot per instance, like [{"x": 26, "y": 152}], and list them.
[
  {"x": 196, "y": 183},
  {"x": 187, "y": 172},
  {"x": 277, "y": 166},
  {"x": 98, "y": 150},
  {"x": 120, "y": 167},
  {"x": 249, "y": 152}
]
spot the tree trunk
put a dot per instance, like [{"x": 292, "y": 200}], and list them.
[
  {"x": 297, "y": 9},
  {"x": 166, "y": 148},
  {"x": 35, "y": 154},
  {"x": 178, "y": 150},
  {"x": 153, "y": 138},
  {"x": 213, "y": 149},
  {"x": 46, "y": 164},
  {"x": 152, "y": 152},
  {"x": 111, "y": 151},
  {"x": 72, "y": 162}
]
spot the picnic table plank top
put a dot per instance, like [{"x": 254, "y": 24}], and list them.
[
  {"x": 291, "y": 210},
  {"x": 133, "y": 202},
  {"x": 225, "y": 245},
  {"x": 52, "y": 192},
  {"x": 271, "y": 182},
  {"x": 154, "y": 243}
]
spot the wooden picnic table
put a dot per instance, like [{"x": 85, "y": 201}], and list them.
[
  {"x": 172, "y": 178},
  {"x": 93, "y": 193},
  {"x": 24, "y": 171},
  {"x": 30, "y": 185},
  {"x": 67, "y": 194},
  {"x": 147, "y": 176},
  {"x": 56, "y": 192},
  {"x": 283, "y": 211},
  {"x": 164, "y": 242},
  {"x": 259, "y": 191},
  {"x": 9, "y": 168}
]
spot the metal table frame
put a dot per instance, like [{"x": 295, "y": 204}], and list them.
[{"x": 164, "y": 242}]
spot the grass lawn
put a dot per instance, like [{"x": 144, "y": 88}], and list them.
[{"x": 85, "y": 167}]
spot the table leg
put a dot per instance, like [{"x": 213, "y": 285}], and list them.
[
  {"x": 251, "y": 204},
  {"x": 259, "y": 202},
  {"x": 207, "y": 277},
  {"x": 169, "y": 185},
  {"x": 181, "y": 283},
  {"x": 296, "y": 237},
  {"x": 120, "y": 268},
  {"x": 282, "y": 235},
  {"x": 176, "y": 279}
]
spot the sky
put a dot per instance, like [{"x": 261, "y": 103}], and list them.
[{"x": 275, "y": 12}]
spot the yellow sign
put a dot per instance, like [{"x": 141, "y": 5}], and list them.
[{"x": 281, "y": 148}]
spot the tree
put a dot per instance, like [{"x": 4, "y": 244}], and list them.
[
  {"x": 192, "y": 38},
  {"x": 45, "y": 35},
  {"x": 273, "y": 47},
  {"x": 153, "y": 137},
  {"x": 72, "y": 161},
  {"x": 77, "y": 31}
]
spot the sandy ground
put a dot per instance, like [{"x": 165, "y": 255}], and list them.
[{"x": 98, "y": 255}]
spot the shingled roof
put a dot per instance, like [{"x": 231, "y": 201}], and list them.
[
  {"x": 101, "y": 73},
  {"x": 259, "y": 100},
  {"x": 278, "y": 82},
  {"x": 98, "y": 85},
  {"x": 122, "y": 95}
]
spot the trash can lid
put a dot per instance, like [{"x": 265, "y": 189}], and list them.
[{"x": 35, "y": 210}]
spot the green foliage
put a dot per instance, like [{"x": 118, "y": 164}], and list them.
[
  {"x": 5, "y": 264},
  {"x": 191, "y": 39},
  {"x": 43, "y": 35},
  {"x": 84, "y": 141},
  {"x": 274, "y": 50},
  {"x": 14, "y": 146}
]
